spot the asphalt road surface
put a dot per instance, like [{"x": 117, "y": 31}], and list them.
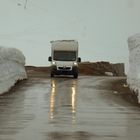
[{"x": 67, "y": 109}]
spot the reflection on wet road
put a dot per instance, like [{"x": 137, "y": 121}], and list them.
[
  {"x": 63, "y": 101},
  {"x": 67, "y": 109}
]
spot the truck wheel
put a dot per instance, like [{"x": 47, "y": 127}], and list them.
[
  {"x": 75, "y": 75},
  {"x": 52, "y": 75}
]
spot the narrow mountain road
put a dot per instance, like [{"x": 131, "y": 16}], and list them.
[{"x": 64, "y": 108}]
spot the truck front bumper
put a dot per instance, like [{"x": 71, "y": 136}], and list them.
[{"x": 63, "y": 70}]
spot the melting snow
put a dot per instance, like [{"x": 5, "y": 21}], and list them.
[
  {"x": 133, "y": 78},
  {"x": 12, "y": 68}
]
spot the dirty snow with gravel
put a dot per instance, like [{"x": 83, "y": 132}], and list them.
[
  {"x": 133, "y": 78},
  {"x": 12, "y": 68}
]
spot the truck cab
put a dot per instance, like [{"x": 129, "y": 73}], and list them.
[{"x": 64, "y": 58}]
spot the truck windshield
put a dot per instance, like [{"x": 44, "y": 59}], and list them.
[{"x": 64, "y": 55}]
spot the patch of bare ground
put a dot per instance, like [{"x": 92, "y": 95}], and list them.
[
  {"x": 120, "y": 86},
  {"x": 100, "y": 68},
  {"x": 41, "y": 72}
]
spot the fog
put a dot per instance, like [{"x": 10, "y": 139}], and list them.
[{"x": 100, "y": 26}]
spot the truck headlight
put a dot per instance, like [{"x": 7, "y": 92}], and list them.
[
  {"x": 53, "y": 63},
  {"x": 75, "y": 63}
]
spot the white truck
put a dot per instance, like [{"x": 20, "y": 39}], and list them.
[{"x": 64, "y": 58}]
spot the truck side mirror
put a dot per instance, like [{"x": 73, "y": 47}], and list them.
[
  {"x": 79, "y": 59},
  {"x": 49, "y": 58}
]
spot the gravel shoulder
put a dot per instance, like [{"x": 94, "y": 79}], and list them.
[{"x": 120, "y": 86}]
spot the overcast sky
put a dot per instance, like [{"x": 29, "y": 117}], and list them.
[{"x": 100, "y": 26}]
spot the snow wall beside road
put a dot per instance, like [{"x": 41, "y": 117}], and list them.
[
  {"x": 12, "y": 68},
  {"x": 133, "y": 78}
]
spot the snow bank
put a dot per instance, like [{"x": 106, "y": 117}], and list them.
[
  {"x": 133, "y": 78},
  {"x": 12, "y": 68}
]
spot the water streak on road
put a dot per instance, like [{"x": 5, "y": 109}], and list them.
[{"x": 67, "y": 109}]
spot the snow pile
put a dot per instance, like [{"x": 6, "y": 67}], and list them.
[
  {"x": 133, "y": 78},
  {"x": 12, "y": 68}
]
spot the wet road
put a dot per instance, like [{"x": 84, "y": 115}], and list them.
[{"x": 67, "y": 109}]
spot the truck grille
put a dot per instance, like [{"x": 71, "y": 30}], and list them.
[{"x": 64, "y": 68}]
